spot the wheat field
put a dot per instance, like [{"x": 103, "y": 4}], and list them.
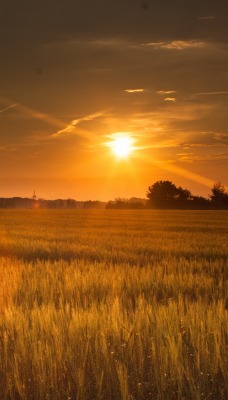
[{"x": 110, "y": 305}]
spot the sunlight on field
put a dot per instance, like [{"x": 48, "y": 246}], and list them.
[{"x": 113, "y": 305}]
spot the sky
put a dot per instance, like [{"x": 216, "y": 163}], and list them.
[{"x": 75, "y": 75}]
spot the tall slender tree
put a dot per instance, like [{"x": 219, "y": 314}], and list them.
[{"x": 219, "y": 195}]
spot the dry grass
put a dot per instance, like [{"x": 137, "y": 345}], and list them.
[{"x": 113, "y": 305}]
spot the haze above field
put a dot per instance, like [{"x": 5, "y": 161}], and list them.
[{"x": 77, "y": 76}]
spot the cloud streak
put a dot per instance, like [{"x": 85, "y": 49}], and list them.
[
  {"x": 191, "y": 158},
  {"x": 211, "y": 93},
  {"x": 166, "y": 92},
  {"x": 177, "y": 45},
  {"x": 207, "y": 18},
  {"x": 8, "y": 108},
  {"x": 73, "y": 124},
  {"x": 135, "y": 90},
  {"x": 172, "y": 99}
]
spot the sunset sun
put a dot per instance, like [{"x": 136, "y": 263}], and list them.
[{"x": 122, "y": 146}]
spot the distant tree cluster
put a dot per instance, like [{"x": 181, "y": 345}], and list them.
[
  {"x": 164, "y": 194},
  {"x": 23, "y": 203},
  {"x": 132, "y": 203}
]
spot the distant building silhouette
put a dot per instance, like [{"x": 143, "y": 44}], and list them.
[{"x": 34, "y": 196}]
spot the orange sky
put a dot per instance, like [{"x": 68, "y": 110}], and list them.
[{"x": 158, "y": 74}]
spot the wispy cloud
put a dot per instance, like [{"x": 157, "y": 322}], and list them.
[
  {"x": 205, "y": 139},
  {"x": 166, "y": 92},
  {"x": 8, "y": 108},
  {"x": 70, "y": 128},
  {"x": 177, "y": 45},
  {"x": 173, "y": 99},
  {"x": 191, "y": 158},
  {"x": 112, "y": 43},
  {"x": 8, "y": 148},
  {"x": 135, "y": 90},
  {"x": 211, "y": 93},
  {"x": 207, "y": 18},
  {"x": 221, "y": 137}
]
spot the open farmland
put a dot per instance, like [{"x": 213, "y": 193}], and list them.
[{"x": 113, "y": 305}]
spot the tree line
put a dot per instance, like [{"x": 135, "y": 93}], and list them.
[
  {"x": 24, "y": 203},
  {"x": 161, "y": 194},
  {"x": 166, "y": 195}
]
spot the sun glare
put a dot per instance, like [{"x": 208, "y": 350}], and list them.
[{"x": 122, "y": 146}]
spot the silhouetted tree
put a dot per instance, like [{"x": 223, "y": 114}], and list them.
[
  {"x": 166, "y": 194},
  {"x": 127, "y": 204},
  {"x": 161, "y": 192},
  {"x": 219, "y": 195},
  {"x": 71, "y": 203},
  {"x": 200, "y": 203},
  {"x": 183, "y": 194}
]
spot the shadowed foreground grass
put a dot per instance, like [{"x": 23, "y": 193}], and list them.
[{"x": 113, "y": 305}]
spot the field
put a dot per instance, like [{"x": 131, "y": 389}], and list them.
[{"x": 110, "y": 305}]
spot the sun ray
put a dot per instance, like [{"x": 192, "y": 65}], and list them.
[{"x": 185, "y": 173}]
